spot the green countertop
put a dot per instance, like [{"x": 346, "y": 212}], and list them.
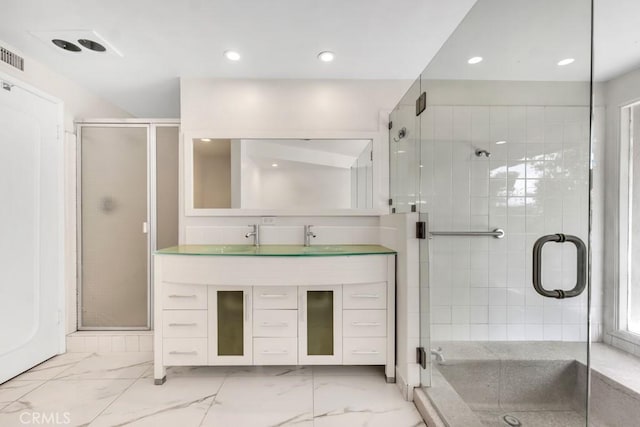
[{"x": 276, "y": 250}]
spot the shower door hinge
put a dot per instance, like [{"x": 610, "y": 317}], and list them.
[
  {"x": 421, "y": 103},
  {"x": 421, "y": 230},
  {"x": 390, "y": 202},
  {"x": 421, "y": 357},
  {"x": 390, "y": 124}
]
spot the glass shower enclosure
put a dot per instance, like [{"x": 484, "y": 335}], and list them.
[{"x": 491, "y": 147}]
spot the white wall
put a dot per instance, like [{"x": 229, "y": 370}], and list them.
[
  {"x": 79, "y": 103},
  {"x": 618, "y": 92},
  {"x": 288, "y": 109}
]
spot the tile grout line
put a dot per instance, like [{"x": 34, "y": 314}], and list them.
[
  {"x": 213, "y": 401},
  {"x": 135, "y": 380}
]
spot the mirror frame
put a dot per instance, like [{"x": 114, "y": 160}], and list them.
[{"x": 380, "y": 174}]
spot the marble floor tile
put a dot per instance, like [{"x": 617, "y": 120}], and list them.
[
  {"x": 263, "y": 401},
  {"x": 54, "y": 366},
  {"x": 181, "y": 401},
  {"x": 193, "y": 371},
  {"x": 233, "y": 371},
  {"x": 108, "y": 366},
  {"x": 15, "y": 389},
  {"x": 270, "y": 371},
  {"x": 361, "y": 401},
  {"x": 71, "y": 403},
  {"x": 333, "y": 370}
]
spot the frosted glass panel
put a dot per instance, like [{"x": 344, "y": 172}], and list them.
[
  {"x": 320, "y": 323},
  {"x": 114, "y": 245},
  {"x": 230, "y": 323},
  {"x": 167, "y": 186}
]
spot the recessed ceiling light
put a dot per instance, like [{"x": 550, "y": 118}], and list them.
[
  {"x": 63, "y": 44},
  {"x": 232, "y": 55},
  {"x": 400, "y": 151},
  {"x": 275, "y": 165},
  {"x": 91, "y": 45},
  {"x": 566, "y": 61},
  {"x": 475, "y": 60},
  {"x": 500, "y": 142},
  {"x": 326, "y": 56},
  {"x": 205, "y": 139}
]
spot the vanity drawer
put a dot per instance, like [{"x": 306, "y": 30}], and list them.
[
  {"x": 275, "y": 323},
  {"x": 183, "y": 296},
  {"x": 184, "y": 323},
  {"x": 364, "y": 323},
  {"x": 275, "y": 351},
  {"x": 184, "y": 351},
  {"x": 365, "y": 296},
  {"x": 364, "y": 351},
  {"x": 275, "y": 297}
]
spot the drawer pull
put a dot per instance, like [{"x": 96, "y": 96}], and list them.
[
  {"x": 193, "y": 352},
  {"x": 274, "y": 352},
  {"x": 275, "y": 324},
  {"x": 365, "y": 352},
  {"x": 365, "y": 323},
  {"x": 182, "y": 296},
  {"x": 373, "y": 296},
  {"x": 273, "y": 295},
  {"x": 183, "y": 324}
]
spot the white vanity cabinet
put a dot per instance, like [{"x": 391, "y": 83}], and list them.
[{"x": 274, "y": 310}]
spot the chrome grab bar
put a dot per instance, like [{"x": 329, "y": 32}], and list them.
[
  {"x": 498, "y": 233},
  {"x": 581, "y": 276}
]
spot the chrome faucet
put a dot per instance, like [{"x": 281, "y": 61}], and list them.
[
  {"x": 438, "y": 354},
  {"x": 255, "y": 233},
  {"x": 308, "y": 234}
]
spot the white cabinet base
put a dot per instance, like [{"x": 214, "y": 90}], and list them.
[{"x": 275, "y": 309}]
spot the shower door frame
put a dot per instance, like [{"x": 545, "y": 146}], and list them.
[{"x": 150, "y": 125}]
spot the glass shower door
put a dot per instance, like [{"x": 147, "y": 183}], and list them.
[
  {"x": 114, "y": 223},
  {"x": 505, "y": 144}
]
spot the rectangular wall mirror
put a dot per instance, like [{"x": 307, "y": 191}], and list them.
[{"x": 281, "y": 174}]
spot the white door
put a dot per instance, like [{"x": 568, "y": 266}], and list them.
[{"x": 31, "y": 227}]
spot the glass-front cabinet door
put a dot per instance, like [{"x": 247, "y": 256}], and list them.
[
  {"x": 320, "y": 326},
  {"x": 230, "y": 336}
]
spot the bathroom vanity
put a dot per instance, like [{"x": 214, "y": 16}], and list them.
[{"x": 274, "y": 305}]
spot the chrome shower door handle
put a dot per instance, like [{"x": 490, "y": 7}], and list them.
[{"x": 581, "y": 263}]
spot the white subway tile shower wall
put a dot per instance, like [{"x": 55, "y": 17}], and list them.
[{"x": 534, "y": 184}]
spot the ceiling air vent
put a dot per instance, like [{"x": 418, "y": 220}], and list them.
[{"x": 11, "y": 58}]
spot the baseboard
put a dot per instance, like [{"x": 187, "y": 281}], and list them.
[
  {"x": 405, "y": 389},
  {"x": 109, "y": 341}
]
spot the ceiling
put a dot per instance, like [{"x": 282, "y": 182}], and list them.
[
  {"x": 525, "y": 40},
  {"x": 162, "y": 40}
]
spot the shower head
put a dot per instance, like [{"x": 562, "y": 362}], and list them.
[{"x": 480, "y": 153}]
